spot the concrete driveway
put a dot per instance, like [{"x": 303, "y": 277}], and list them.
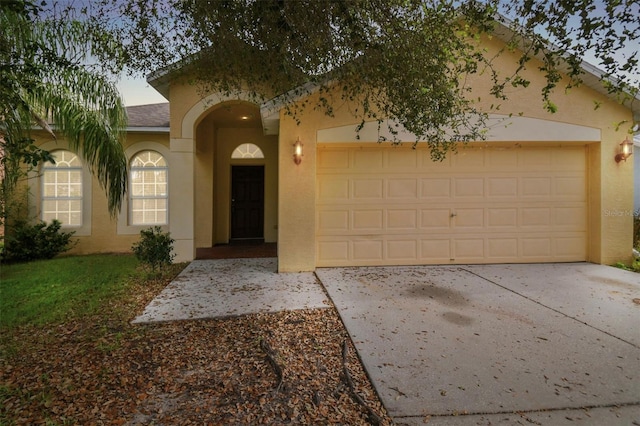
[{"x": 548, "y": 344}]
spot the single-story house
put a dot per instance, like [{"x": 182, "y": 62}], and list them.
[{"x": 219, "y": 169}]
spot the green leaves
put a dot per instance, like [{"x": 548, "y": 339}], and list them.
[
  {"x": 154, "y": 249},
  {"x": 45, "y": 74}
]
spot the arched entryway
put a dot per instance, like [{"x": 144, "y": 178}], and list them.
[{"x": 236, "y": 180}]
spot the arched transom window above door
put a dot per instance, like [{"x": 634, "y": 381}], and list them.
[{"x": 247, "y": 151}]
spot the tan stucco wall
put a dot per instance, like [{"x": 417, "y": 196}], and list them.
[
  {"x": 103, "y": 235},
  {"x": 204, "y": 181},
  {"x": 207, "y": 186},
  {"x": 200, "y": 170},
  {"x": 610, "y": 184}
]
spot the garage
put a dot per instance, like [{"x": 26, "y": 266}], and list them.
[{"x": 488, "y": 203}]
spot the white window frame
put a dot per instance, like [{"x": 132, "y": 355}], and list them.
[
  {"x": 247, "y": 151},
  {"x": 56, "y": 169},
  {"x": 124, "y": 226},
  {"x": 36, "y": 193},
  {"x": 133, "y": 197}
]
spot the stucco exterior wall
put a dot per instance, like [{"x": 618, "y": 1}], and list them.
[
  {"x": 104, "y": 234},
  {"x": 206, "y": 143},
  {"x": 610, "y": 183}
]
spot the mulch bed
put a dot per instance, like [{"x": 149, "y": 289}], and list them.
[{"x": 218, "y": 371}]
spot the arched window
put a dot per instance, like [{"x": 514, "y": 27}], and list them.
[
  {"x": 149, "y": 189},
  {"x": 62, "y": 189},
  {"x": 247, "y": 150}
]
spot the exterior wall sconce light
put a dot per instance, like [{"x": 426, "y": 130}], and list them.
[
  {"x": 297, "y": 152},
  {"x": 625, "y": 151}
]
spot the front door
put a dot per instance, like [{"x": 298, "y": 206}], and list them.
[{"x": 247, "y": 204}]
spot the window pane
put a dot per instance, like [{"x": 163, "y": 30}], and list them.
[
  {"x": 247, "y": 150},
  {"x": 148, "y": 189},
  {"x": 62, "y": 189}
]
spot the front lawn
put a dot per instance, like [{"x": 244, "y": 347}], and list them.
[
  {"x": 66, "y": 288},
  {"x": 69, "y": 355}
]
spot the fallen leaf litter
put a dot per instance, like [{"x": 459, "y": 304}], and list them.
[{"x": 189, "y": 372}]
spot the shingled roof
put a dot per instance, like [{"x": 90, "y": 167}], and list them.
[{"x": 152, "y": 115}]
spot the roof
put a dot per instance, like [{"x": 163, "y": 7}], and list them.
[
  {"x": 592, "y": 78},
  {"x": 148, "y": 117}
]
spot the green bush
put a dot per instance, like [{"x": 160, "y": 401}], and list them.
[
  {"x": 27, "y": 242},
  {"x": 155, "y": 248}
]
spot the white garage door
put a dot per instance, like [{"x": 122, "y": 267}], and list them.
[{"x": 394, "y": 206}]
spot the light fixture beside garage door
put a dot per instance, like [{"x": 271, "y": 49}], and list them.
[
  {"x": 297, "y": 152},
  {"x": 625, "y": 150}
]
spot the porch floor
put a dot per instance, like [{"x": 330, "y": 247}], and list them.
[{"x": 233, "y": 251}]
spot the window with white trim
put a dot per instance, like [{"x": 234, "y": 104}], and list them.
[
  {"x": 62, "y": 190},
  {"x": 247, "y": 150},
  {"x": 149, "y": 189}
]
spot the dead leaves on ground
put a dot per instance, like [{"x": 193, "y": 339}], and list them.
[{"x": 196, "y": 372}]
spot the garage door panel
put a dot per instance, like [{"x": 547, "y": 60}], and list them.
[
  {"x": 403, "y": 160},
  {"x": 404, "y": 250},
  {"x": 502, "y": 248},
  {"x": 333, "y": 188},
  {"x": 502, "y": 217},
  {"x": 469, "y": 218},
  {"x": 569, "y": 248},
  {"x": 538, "y": 159},
  {"x": 469, "y": 159},
  {"x": 465, "y": 249},
  {"x": 435, "y": 250},
  {"x": 367, "y": 159},
  {"x": 386, "y": 206},
  {"x": 402, "y": 219},
  {"x": 502, "y": 187},
  {"x": 432, "y": 219},
  {"x": 433, "y": 166},
  {"x": 368, "y": 220},
  {"x": 333, "y": 221},
  {"x": 504, "y": 160},
  {"x": 570, "y": 218},
  {"x": 333, "y": 159},
  {"x": 538, "y": 187},
  {"x": 402, "y": 188},
  {"x": 333, "y": 251},
  {"x": 571, "y": 188},
  {"x": 435, "y": 188},
  {"x": 368, "y": 250},
  {"x": 367, "y": 189},
  {"x": 468, "y": 187},
  {"x": 535, "y": 217},
  {"x": 538, "y": 247}
]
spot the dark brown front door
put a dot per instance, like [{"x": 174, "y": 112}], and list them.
[{"x": 247, "y": 203}]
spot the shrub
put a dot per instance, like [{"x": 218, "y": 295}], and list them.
[
  {"x": 154, "y": 248},
  {"x": 27, "y": 242}
]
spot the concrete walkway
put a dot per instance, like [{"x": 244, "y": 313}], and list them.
[
  {"x": 228, "y": 287},
  {"x": 552, "y": 344},
  {"x": 497, "y": 344}
]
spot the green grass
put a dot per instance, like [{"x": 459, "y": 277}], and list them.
[{"x": 53, "y": 291}]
